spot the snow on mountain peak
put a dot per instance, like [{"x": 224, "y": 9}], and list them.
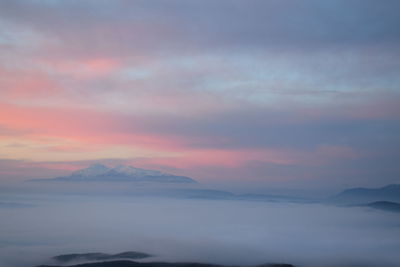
[
  {"x": 93, "y": 170},
  {"x": 121, "y": 173},
  {"x": 129, "y": 170},
  {"x": 100, "y": 169}
]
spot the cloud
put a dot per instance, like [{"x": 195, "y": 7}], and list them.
[
  {"x": 200, "y": 84},
  {"x": 178, "y": 23},
  {"x": 219, "y": 145},
  {"x": 226, "y": 232}
]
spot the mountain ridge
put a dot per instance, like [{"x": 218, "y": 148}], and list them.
[
  {"x": 121, "y": 173},
  {"x": 384, "y": 205},
  {"x": 360, "y": 195}
]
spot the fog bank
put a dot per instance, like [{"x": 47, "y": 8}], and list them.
[{"x": 215, "y": 231}]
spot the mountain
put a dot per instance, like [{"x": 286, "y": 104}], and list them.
[
  {"x": 157, "y": 264},
  {"x": 121, "y": 173},
  {"x": 355, "y": 196}
]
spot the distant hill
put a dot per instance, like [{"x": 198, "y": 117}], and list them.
[
  {"x": 121, "y": 173},
  {"x": 66, "y": 258},
  {"x": 385, "y": 205},
  {"x": 156, "y": 264},
  {"x": 355, "y": 196}
]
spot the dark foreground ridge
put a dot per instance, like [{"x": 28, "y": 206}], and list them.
[
  {"x": 357, "y": 196},
  {"x": 156, "y": 264},
  {"x": 100, "y": 256},
  {"x": 385, "y": 205}
]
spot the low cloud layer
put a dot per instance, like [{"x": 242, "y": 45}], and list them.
[{"x": 228, "y": 232}]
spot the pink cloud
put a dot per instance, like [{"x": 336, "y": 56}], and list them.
[
  {"x": 93, "y": 127},
  {"x": 87, "y": 126},
  {"x": 27, "y": 83},
  {"x": 82, "y": 68}
]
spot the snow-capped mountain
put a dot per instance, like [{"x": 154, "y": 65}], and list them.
[
  {"x": 120, "y": 173},
  {"x": 91, "y": 171}
]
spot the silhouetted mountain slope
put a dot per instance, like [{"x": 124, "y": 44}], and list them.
[
  {"x": 156, "y": 264},
  {"x": 121, "y": 173},
  {"x": 355, "y": 196},
  {"x": 385, "y": 205},
  {"x": 100, "y": 256}
]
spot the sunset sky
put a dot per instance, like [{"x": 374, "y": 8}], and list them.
[{"x": 248, "y": 93}]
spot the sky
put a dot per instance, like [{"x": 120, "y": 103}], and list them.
[{"x": 257, "y": 93}]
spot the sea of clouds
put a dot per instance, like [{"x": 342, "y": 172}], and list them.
[{"x": 35, "y": 227}]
